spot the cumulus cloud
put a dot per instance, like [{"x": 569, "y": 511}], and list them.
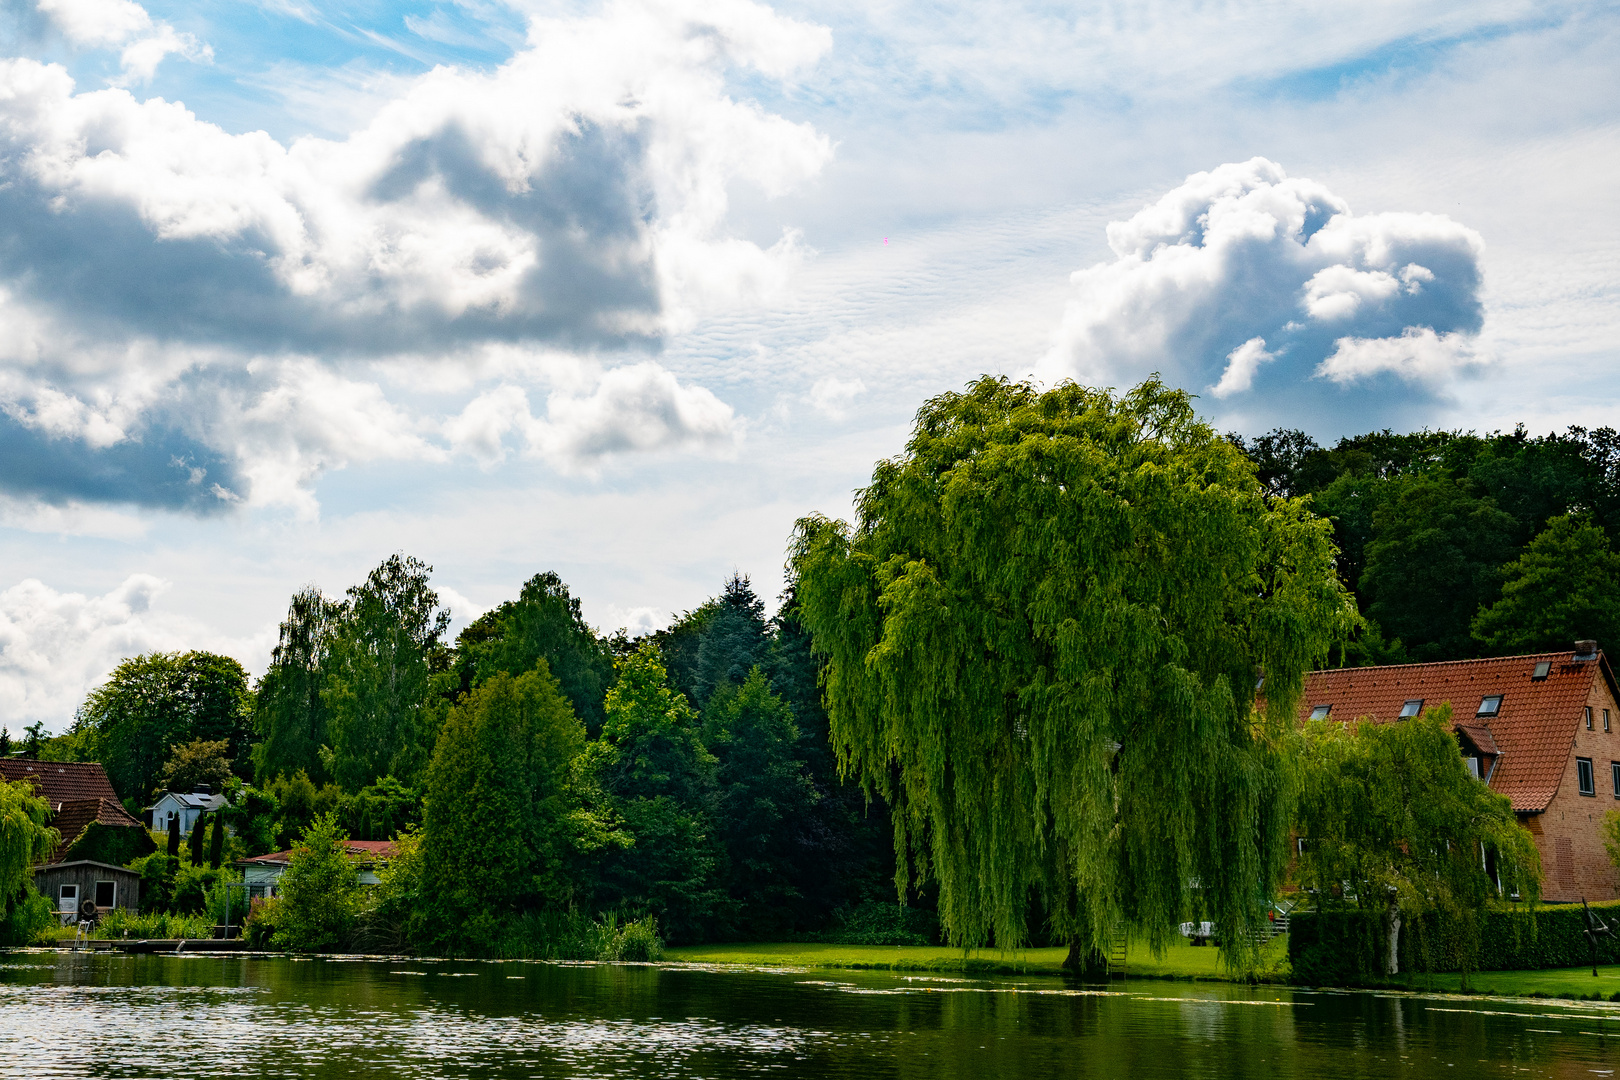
[
  {"x": 183, "y": 293},
  {"x": 125, "y": 25},
  {"x": 1269, "y": 293},
  {"x": 832, "y": 396},
  {"x": 638, "y": 408},
  {"x": 55, "y": 646}
]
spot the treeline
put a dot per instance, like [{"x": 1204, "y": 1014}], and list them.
[
  {"x": 1458, "y": 545},
  {"x": 532, "y": 764}
]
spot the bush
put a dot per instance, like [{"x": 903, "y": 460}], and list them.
[
  {"x": 1341, "y": 947},
  {"x": 320, "y": 892},
  {"x": 27, "y": 917},
  {"x": 878, "y": 922},
  {"x": 263, "y": 920},
  {"x": 638, "y": 941},
  {"x": 121, "y": 923}
]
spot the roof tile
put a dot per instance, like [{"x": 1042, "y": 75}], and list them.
[{"x": 1533, "y": 730}]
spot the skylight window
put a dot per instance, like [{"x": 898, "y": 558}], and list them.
[
  {"x": 1490, "y": 706},
  {"x": 1321, "y": 712},
  {"x": 1411, "y": 708},
  {"x": 1541, "y": 671}
]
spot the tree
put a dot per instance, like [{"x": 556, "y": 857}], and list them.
[
  {"x": 1043, "y": 637},
  {"x": 289, "y": 712},
  {"x": 764, "y": 797},
  {"x": 496, "y": 829},
  {"x": 193, "y": 764},
  {"x": 545, "y": 622},
  {"x": 1391, "y": 810},
  {"x": 320, "y": 891},
  {"x": 26, "y": 839},
  {"x": 1564, "y": 587},
  {"x": 216, "y": 844},
  {"x": 1435, "y": 558},
  {"x": 382, "y": 657},
  {"x": 199, "y": 833},
  {"x": 156, "y": 702},
  {"x": 652, "y": 764},
  {"x": 734, "y": 641}
]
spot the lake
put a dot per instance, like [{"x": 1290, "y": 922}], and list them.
[{"x": 212, "y": 1016}]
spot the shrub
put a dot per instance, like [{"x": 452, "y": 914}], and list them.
[
  {"x": 639, "y": 941},
  {"x": 878, "y": 922},
  {"x": 263, "y": 920},
  {"x": 320, "y": 892},
  {"x": 28, "y": 917},
  {"x": 121, "y": 923},
  {"x": 1340, "y": 947}
]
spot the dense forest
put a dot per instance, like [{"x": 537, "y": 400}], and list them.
[{"x": 535, "y": 765}]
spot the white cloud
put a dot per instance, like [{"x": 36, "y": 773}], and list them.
[
  {"x": 1241, "y": 364},
  {"x": 176, "y": 282},
  {"x": 1248, "y": 279},
  {"x": 54, "y": 646},
  {"x": 1418, "y": 355},
  {"x": 106, "y": 24},
  {"x": 833, "y": 396}
]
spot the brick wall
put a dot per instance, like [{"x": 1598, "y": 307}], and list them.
[{"x": 1569, "y": 834}]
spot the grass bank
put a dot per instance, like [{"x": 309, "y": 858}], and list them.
[{"x": 1180, "y": 961}]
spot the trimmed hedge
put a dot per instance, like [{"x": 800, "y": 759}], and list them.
[{"x": 1339, "y": 947}]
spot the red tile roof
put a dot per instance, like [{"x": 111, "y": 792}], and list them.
[
  {"x": 72, "y": 818},
  {"x": 1533, "y": 731},
  {"x": 364, "y": 849},
  {"x": 61, "y": 781}
]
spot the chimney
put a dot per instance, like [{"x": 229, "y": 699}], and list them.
[
  {"x": 1586, "y": 649},
  {"x": 204, "y": 789}
]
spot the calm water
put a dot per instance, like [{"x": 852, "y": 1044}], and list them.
[{"x": 115, "y": 1016}]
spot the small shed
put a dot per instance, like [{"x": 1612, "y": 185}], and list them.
[
  {"x": 69, "y": 884},
  {"x": 262, "y": 873}
]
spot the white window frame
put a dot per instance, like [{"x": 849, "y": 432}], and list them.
[
  {"x": 1496, "y": 710},
  {"x": 1408, "y": 703},
  {"x": 114, "y": 886}
]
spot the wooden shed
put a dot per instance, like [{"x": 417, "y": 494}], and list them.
[{"x": 69, "y": 884}]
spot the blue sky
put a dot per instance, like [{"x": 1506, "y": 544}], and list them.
[{"x": 620, "y": 290}]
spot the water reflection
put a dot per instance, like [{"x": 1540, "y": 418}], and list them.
[{"x": 116, "y": 1016}]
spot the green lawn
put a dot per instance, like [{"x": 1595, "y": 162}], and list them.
[
  {"x": 1180, "y": 961},
  {"x": 1554, "y": 982}
]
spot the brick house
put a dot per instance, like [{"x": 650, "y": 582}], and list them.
[
  {"x": 84, "y": 807},
  {"x": 1542, "y": 729}
]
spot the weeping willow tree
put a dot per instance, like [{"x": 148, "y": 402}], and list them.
[
  {"x": 1396, "y": 828},
  {"x": 1042, "y": 640}
]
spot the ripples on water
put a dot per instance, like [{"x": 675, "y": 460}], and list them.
[{"x": 152, "y": 1016}]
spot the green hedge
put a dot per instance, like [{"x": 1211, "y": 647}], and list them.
[{"x": 1340, "y": 947}]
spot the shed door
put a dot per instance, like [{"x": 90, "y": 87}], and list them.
[
  {"x": 106, "y": 894},
  {"x": 69, "y": 897}
]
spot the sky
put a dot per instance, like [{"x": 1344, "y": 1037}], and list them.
[{"x": 622, "y": 289}]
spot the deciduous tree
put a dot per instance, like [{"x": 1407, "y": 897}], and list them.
[
  {"x": 1564, "y": 587},
  {"x": 1043, "y": 636},
  {"x": 289, "y": 712}
]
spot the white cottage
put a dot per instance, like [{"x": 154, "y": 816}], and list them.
[{"x": 188, "y": 806}]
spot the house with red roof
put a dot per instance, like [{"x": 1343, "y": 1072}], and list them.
[
  {"x": 1542, "y": 729},
  {"x": 85, "y": 873},
  {"x": 262, "y": 873}
]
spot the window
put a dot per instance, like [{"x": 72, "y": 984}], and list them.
[
  {"x": 1473, "y": 766},
  {"x": 1321, "y": 712},
  {"x": 106, "y": 894},
  {"x": 1259, "y": 684},
  {"x": 1411, "y": 708},
  {"x": 1490, "y": 706},
  {"x": 1583, "y": 775},
  {"x": 1605, "y": 719},
  {"x": 1614, "y": 773},
  {"x": 1542, "y": 669},
  {"x": 1589, "y": 718}
]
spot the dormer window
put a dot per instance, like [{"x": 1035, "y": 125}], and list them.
[
  {"x": 1542, "y": 670},
  {"x": 1320, "y": 712},
  {"x": 1411, "y": 708}
]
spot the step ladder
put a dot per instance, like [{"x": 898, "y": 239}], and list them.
[{"x": 1116, "y": 954}]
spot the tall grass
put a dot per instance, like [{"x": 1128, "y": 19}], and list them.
[{"x": 121, "y": 923}]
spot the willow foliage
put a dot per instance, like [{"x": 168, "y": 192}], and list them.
[
  {"x": 1390, "y": 811},
  {"x": 1042, "y": 641}
]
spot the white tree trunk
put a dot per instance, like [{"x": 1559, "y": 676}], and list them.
[{"x": 1394, "y": 940}]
